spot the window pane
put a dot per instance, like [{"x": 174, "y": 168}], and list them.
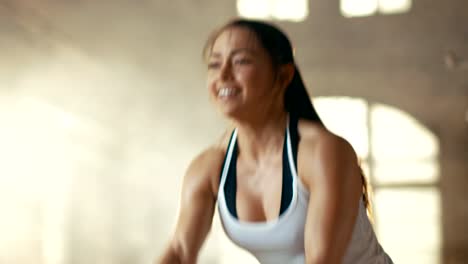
[
  {"x": 254, "y": 8},
  {"x": 394, "y": 6},
  {"x": 398, "y": 136},
  {"x": 294, "y": 10},
  {"x": 354, "y": 8},
  {"x": 346, "y": 117},
  {"x": 406, "y": 171},
  {"x": 408, "y": 224}
]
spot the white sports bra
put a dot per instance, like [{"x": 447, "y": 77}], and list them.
[{"x": 281, "y": 241}]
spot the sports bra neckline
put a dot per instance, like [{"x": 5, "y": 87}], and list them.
[{"x": 289, "y": 179}]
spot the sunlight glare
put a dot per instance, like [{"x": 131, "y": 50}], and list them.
[
  {"x": 398, "y": 136},
  {"x": 358, "y": 8},
  {"x": 394, "y": 6},
  {"x": 293, "y": 10},
  {"x": 256, "y": 9},
  {"x": 403, "y": 219},
  {"x": 290, "y": 10},
  {"x": 346, "y": 117}
]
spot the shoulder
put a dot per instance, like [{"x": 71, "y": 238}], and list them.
[
  {"x": 316, "y": 139},
  {"x": 324, "y": 156},
  {"x": 205, "y": 168},
  {"x": 204, "y": 161}
]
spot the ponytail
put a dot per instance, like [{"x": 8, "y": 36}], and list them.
[{"x": 297, "y": 100}]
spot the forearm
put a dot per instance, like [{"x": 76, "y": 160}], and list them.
[
  {"x": 195, "y": 215},
  {"x": 323, "y": 258},
  {"x": 173, "y": 256},
  {"x": 169, "y": 256}
]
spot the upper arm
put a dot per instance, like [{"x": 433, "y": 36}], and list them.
[
  {"x": 197, "y": 204},
  {"x": 330, "y": 167}
]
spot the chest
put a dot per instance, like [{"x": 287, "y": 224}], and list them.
[
  {"x": 259, "y": 191},
  {"x": 259, "y": 226}
]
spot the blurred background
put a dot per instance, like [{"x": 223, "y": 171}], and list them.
[{"x": 103, "y": 104}]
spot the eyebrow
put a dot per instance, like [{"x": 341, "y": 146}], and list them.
[{"x": 234, "y": 52}]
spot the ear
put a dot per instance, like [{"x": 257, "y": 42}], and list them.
[{"x": 286, "y": 74}]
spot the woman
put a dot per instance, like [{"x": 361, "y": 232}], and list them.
[{"x": 287, "y": 189}]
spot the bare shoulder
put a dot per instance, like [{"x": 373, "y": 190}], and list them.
[
  {"x": 322, "y": 152},
  {"x": 206, "y": 160},
  {"x": 205, "y": 168},
  {"x": 318, "y": 139}
]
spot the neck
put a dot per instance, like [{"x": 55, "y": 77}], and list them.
[{"x": 261, "y": 137}]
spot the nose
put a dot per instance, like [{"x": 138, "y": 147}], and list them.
[{"x": 226, "y": 72}]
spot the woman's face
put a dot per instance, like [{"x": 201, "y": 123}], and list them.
[{"x": 241, "y": 77}]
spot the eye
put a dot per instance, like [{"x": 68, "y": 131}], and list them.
[
  {"x": 242, "y": 61},
  {"x": 214, "y": 65}
]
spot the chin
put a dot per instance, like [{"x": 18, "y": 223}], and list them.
[
  {"x": 230, "y": 109},
  {"x": 229, "y": 112}
]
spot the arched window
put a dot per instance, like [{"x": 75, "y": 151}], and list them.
[{"x": 400, "y": 158}]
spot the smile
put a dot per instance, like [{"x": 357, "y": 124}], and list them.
[{"x": 227, "y": 92}]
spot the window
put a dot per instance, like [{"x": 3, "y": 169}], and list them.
[
  {"x": 290, "y": 10},
  {"x": 400, "y": 158},
  {"x": 359, "y": 8}
]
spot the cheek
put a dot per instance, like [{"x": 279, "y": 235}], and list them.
[
  {"x": 258, "y": 81},
  {"x": 248, "y": 77},
  {"x": 209, "y": 81},
  {"x": 211, "y": 86}
]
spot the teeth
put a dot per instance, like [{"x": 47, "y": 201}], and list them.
[{"x": 226, "y": 92}]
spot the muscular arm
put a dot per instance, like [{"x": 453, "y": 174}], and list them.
[
  {"x": 197, "y": 204},
  {"x": 331, "y": 171}
]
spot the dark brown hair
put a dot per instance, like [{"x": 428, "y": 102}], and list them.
[{"x": 296, "y": 99}]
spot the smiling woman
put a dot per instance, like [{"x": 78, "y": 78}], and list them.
[{"x": 287, "y": 189}]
